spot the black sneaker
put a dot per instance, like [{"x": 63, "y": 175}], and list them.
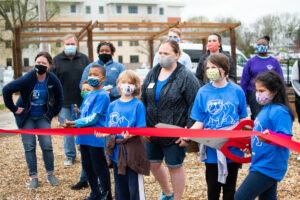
[{"x": 80, "y": 185}]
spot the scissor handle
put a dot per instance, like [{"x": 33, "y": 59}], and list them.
[{"x": 242, "y": 143}]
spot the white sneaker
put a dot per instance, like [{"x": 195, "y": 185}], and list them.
[
  {"x": 298, "y": 158},
  {"x": 69, "y": 162}
]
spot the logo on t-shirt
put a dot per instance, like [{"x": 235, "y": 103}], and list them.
[
  {"x": 220, "y": 112},
  {"x": 270, "y": 67},
  {"x": 115, "y": 120}
]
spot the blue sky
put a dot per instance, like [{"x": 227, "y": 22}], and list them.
[{"x": 246, "y": 11}]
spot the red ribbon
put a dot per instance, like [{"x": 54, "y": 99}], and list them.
[{"x": 163, "y": 132}]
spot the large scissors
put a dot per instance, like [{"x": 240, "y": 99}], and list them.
[{"x": 222, "y": 144}]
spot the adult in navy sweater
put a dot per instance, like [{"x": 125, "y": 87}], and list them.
[
  {"x": 258, "y": 64},
  {"x": 41, "y": 98},
  {"x": 113, "y": 69},
  {"x": 68, "y": 67}
]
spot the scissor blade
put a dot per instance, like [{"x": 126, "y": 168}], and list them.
[{"x": 216, "y": 143}]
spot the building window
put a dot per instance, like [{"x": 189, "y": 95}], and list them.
[
  {"x": 88, "y": 9},
  {"x": 134, "y": 43},
  {"x": 25, "y": 45},
  {"x": 119, "y": 9},
  {"x": 26, "y": 62},
  {"x": 73, "y": 27},
  {"x": 101, "y": 10},
  {"x": 134, "y": 59},
  {"x": 120, "y": 43},
  {"x": 133, "y": 27},
  {"x": 8, "y": 62},
  {"x": 119, "y": 27},
  {"x": 132, "y": 9},
  {"x": 73, "y": 8},
  {"x": 58, "y": 44},
  {"x": 149, "y": 10},
  {"x": 120, "y": 59},
  {"x": 7, "y": 44},
  {"x": 161, "y": 11}
]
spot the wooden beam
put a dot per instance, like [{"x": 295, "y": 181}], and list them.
[
  {"x": 85, "y": 32},
  {"x": 151, "y": 52},
  {"x": 123, "y": 33},
  {"x": 90, "y": 43},
  {"x": 39, "y": 41},
  {"x": 18, "y": 53},
  {"x": 83, "y": 29},
  {"x": 233, "y": 51},
  {"x": 164, "y": 31},
  {"x": 204, "y": 43},
  {"x": 51, "y": 23},
  {"x": 45, "y": 34}
]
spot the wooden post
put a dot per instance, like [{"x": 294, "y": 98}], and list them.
[
  {"x": 150, "y": 53},
  {"x": 14, "y": 58},
  {"x": 90, "y": 43},
  {"x": 204, "y": 43},
  {"x": 233, "y": 49},
  {"x": 18, "y": 53}
]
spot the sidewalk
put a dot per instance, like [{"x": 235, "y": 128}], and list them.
[{"x": 7, "y": 121}]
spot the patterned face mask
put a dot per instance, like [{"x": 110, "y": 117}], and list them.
[
  {"x": 262, "y": 49},
  {"x": 127, "y": 89},
  {"x": 263, "y": 99},
  {"x": 93, "y": 81},
  {"x": 213, "y": 74}
]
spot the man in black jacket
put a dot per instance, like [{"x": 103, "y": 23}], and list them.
[
  {"x": 214, "y": 45},
  {"x": 68, "y": 67}
]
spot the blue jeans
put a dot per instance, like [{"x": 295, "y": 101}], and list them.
[
  {"x": 29, "y": 143},
  {"x": 129, "y": 186},
  {"x": 94, "y": 164},
  {"x": 69, "y": 140},
  {"x": 257, "y": 184}
]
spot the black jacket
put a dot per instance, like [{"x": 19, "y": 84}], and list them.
[
  {"x": 25, "y": 85},
  {"x": 175, "y": 100},
  {"x": 200, "y": 68},
  {"x": 69, "y": 72}
]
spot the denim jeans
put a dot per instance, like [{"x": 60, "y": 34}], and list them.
[
  {"x": 257, "y": 185},
  {"x": 29, "y": 143},
  {"x": 69, "y": 140},
  {"x": 94, "y": 164}
]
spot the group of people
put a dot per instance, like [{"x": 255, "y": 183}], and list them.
[{"x": 77, "y": 90}]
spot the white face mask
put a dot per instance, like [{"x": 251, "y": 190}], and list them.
[
  {"x": 127, "y": 89},
  {"x": 166, "y": 61}
]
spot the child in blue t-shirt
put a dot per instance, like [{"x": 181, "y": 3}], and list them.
[
  {"x": 269, "y": 160},
  {"x": 219, "y": 105},
  {"x": 93, "y": 114},
  {"x": 127, "y": 151}
]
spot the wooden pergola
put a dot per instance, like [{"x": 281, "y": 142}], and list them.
[{"x": 52, "y": 32}]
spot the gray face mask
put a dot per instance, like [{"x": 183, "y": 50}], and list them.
[{"x": 166, "y": 61}]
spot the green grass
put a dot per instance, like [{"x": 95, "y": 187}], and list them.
[{"x": 2, "y": 107}]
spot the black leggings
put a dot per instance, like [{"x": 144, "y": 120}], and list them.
[{"x": 214, "y": 187}]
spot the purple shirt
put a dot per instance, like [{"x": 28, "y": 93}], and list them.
[{"x": 256, "y": 66}]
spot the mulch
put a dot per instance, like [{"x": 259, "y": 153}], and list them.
[{"x": 14, "y": 178}]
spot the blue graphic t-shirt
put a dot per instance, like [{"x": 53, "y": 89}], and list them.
[
  {"x": 271, "y": 160},
  {"x": 125, "y": 114},
  {"x": 39, "y": 99},
  {"x": 218, "y": 108},
  {"x": 95, "y": 102}
]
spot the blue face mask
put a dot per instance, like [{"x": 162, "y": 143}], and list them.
[
  {"x": 174, "y": 38},
  {"x": 93, "y": 81},
  {"x": 70, "y": 49},
  {"x": 262, "y": 49}
]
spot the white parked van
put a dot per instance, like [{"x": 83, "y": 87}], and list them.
[{"x": 195, "y": 52}]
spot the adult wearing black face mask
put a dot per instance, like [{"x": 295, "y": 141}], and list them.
[
  {"x": 105, "y": 52},
  {"x": 41, "y": 98}
]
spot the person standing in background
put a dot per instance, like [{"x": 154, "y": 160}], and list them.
[
  {"x": 258, "y": 64},
  {"x": 105, "y": 51},
  {"x": 184, "y": 59},
  {"x": 68, "y": 67},
  {"x": 214, "y": 45}
]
